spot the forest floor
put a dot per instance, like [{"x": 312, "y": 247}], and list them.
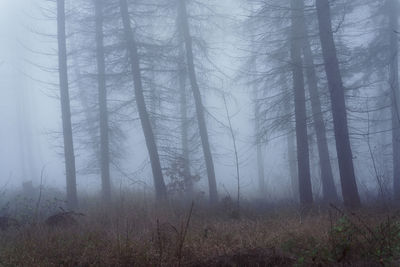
[{"x": 137, "y": 234}]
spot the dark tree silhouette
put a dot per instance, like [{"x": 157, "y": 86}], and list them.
[
  {"x": 347, "y": 176},
  {"x": 134, "y": 60},
  {"x": 72, "y": 199},
  {"x": 103, "y": 114},
  {"x": 184, "y": 22},
  {"x": 303, "y": 157}
]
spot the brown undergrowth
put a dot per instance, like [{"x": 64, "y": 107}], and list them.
[{"x": 139, "y": 234}]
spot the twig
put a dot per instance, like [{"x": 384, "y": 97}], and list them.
[
  {"x": 40, "y": 195},
  {"x": 228, "y": 116},
  {"x": 183, "y": 234}
]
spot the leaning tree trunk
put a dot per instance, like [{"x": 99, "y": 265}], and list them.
[
  {"x": 198, "y": 101},
  {"x": 303, "y": 161},
  {"x": 161, "y": 191},
  {"x": 103, "y": 114},
  {"x": 328, "y": 184},
  {"x": 72, "y": 199},
  {"x": 347, "y": 176},
  {"x": 394, "y": 89}
]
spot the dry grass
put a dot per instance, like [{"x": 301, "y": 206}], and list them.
[{"x": 138, "y": 234}]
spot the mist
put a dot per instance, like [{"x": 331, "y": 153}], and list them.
[{"x": 190, "y": 112}]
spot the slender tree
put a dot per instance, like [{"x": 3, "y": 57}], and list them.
[
  {"x": 184, "y": 27},
  {"x": 393, "y": 7},
  {"x": 292, "y": 162},
  {"x": 345, "y": 159},
  {"x": 328, "y": 184},
  {"x": 303, "y": 161},
  {"x": 102, "y": 94},
  {"x": 259, "y": 148},
  {"x": 72, "y": 200},
  {"x": 182, "y": 76},
  {"x": 134, "y": 60}
]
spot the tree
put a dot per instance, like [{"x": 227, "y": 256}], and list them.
[
  {"x": 303, "y": 161},
  {"x": 394, "y": 89},
  {"x": 103, "y": 110},
  {"x": 257, "y": 120},
  {"x": 345, "y": 159},
  {"x": 134, "y": 61},
  {"x": 184, "y": 27},
  {"x": 182, "y": 76},
  {"x": 328, "y": 184},
  {"x": 259, "y": 147},
  {"x": 72, "y": 200}
]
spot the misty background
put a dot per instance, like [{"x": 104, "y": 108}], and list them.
[{"x": 31, "y": 137}]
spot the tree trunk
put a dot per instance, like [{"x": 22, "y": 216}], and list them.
[
  {"x": 303, "y": 161},
  {"x": 260, "y": 156},
  {"x": 198, "y": 102},
  {"x": 103, "y": 114},
  {"x": 72, "y": 199},
  {"x": 259, "y": 145},
  {"x": 291, "y": 146},
  {"x": 328, "y": 184},
  {"x": 153, "y": 100},
  {"x": 347, "y": 176},
  {"x": 292, "y": 161},
  {"x": 161, "y": 191},
  {"x": 257, "y": 122},
  {"x": 394, "y": 89},
  {"x": 184, "y": 122}
]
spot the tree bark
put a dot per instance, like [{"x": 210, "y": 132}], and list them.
[
  {"x": 103, "y": 114},
  {"x": 161, "y": 191},
  {"x": 328, "y": 184},
  {"x": 303, "y": 161},
  {"x": 198, "y": 102},
  {"x": 394, "y": 89},
  {"x": 72, "y": 199},
  {"x": 345, "y": 159}
]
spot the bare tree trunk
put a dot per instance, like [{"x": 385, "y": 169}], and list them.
[
  {"x": 291, "y": 146},
  {"x": 260, "y": 154},
  {"x": 198, "y": 102},
  {"x": 347, "y": 176},
  {"x": 84, "y": 101},
  {"x": 257, "y": 124},
  {"x": 161, "y": 191},
  {"x": 394, "y": 88},
  {"x": 235, "y": 150},
  {"x": 153, "y": 100},
  {"x": 303, "y": 161},
  {"x": 103, "y": 115},
  {"x": 72, "y": 199},
  {"x": 328, "y": 184},
  {"x": 184, "y": 122},
  {"x": 259, "y": 146},
  {"x": 292, "y": 162}
]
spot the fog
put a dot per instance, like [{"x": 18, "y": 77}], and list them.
[
  {"x": 199, "y": 133},
  {"x": 239, "y": 53},
  {"x": 32, "y": 120}
]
